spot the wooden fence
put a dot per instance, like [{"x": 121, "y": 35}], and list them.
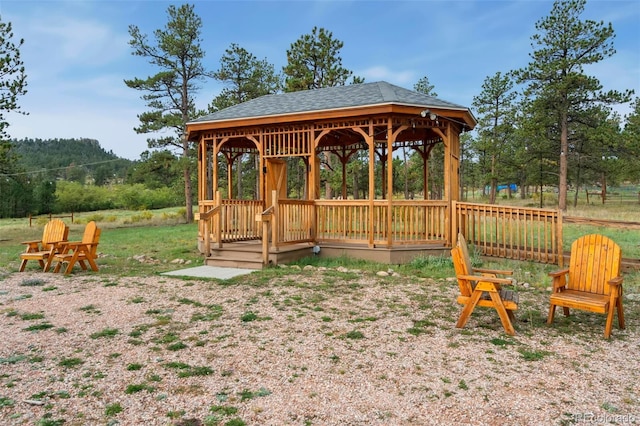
[
  {"x": 50, "y": 216},
  {"x": 511, "y": 232}
]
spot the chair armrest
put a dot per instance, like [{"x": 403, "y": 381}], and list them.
[
  {"x": 617, "y": 281},
  {"x": 559, "y": 279},
  {"x": 31, "y": 242},
  {"x": 559, "y": 273},
  {"x": 69, "y": 243},
  {"x": 492, "y": 271},
  {"x": 493, "y": 280}
]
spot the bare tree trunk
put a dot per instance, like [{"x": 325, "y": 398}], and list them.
[
  {"x": 186, "y": 173},
  {"x": 564, "y": 148},
  {"x": 494, "y": 181}
]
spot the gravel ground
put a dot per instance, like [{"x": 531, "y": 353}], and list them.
[{"x": 308, "y": 347}]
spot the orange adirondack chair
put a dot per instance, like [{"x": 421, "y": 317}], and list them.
[
  {"x": 482, "y": 287},
  {"x": 55, "y": 232},
  {"x": 592, "y": 282},
  {"x": 80, "y": 251}
]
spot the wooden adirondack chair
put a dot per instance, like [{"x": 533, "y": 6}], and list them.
[
  {"x": 592, "y": 282},
  {"x": 80, "y": 251},
  {"x": 55, "y": 232},
  {"x": 482, "y": 287}
]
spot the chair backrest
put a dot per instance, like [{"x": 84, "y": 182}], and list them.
[
  {"x": 89, "y": 232},
  {"x": 462, "y": 243},
  {"x": 595, "y": 259},
  {"x": 54, "y": 231},
  {"x": 466, "y": 286},
  {"x": 91, "y": 236},
  {"x": 94, "y": 247}
]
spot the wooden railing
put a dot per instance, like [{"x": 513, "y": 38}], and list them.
[
  {"x": 342, "y": 221},
  {"x": 229, "y": 220},
  {"x": 295, "y": 222},
  {"x": 352, "y": 221},
  {"x": 501, "y": 231},
  {"x": 419, "y": 221},
  {"x": 511, "y": 232},
  {"x": 238, "y": 220}
]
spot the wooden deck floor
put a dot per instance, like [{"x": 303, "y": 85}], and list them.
[{"x": 248, "y": 254}]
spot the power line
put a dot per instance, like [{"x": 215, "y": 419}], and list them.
[{"x": 33, "y": 172}]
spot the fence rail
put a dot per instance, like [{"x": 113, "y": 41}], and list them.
[
  {"x": 50, "y": 216},
  {"x": 295, "y": 221},
  {"x": 511, "y": 232}
]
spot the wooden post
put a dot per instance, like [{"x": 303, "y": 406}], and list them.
[
  {"x": 372, "y": 188},
  {"x": 453, "y": 212},
  {"x": 206, "y": 237},
  {"x": 218, "y": 204},
  {"x": 390, "y": 140},
  {"x": 265, "y": 242},
  {"x": 276, "y": 220},
  {"x": 265, "y": 218}
]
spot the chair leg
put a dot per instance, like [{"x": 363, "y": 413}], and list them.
[
  {"x": 620, "y": 313},
  {"x": 552, "y": 313},
  {"x": 93, "y": 264},
  {"x": 23, "y": 264},
  {"x": 609, "y": 323},
  {"x": 470, "y": 306},
  {"x": 47, "y": 265},
  {"x": 71, "y": 263},
  {"x": 502, "y": 313}
]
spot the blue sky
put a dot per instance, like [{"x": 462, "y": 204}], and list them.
[{"x": 76, "y": 53}]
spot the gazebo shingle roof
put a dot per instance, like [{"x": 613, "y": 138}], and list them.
[{"x": 329, "y": 98}]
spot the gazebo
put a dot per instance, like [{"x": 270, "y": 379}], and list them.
[{"x": 372, "y": 120}]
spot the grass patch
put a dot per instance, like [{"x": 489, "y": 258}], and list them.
[
  {"x": 138, "y": 387},
  {"x": 113, "y": 409},
  {"x": 185, "y": 370},
  {"x": 224, "y": 410},
  {"x": 249, "y": 316},
  {"x": 195, "y": 371},
  {"x": 212, "y": 313},
  {"x": 90, "y": 309},
  {"x": 134, "y": 367},
  {"x": 32, "y": 316},
  {"x": 354, "y": 335},
  {"x": 106, "y": 333},
  {"x": 533, "y": 355},
  {"x": 32, "y": 282},
  {"x": 501, "y": 342},
  {"x": 247, "y": 394},
  {"x": 13, "y": 359},
  {"x": 70, "y": 362},
  {"x": 177, "y": 346},
  {"x": 420, "y": 327},
  {"x": 6, "y": 402},
  {"x": 39, "y": 327}
]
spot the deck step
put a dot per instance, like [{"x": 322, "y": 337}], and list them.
[
  {"x": 249, "y": 255},
  {"x": 230, "y": 262}
]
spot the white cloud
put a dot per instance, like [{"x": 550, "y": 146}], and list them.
[{"x": 383, "y": 73}]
